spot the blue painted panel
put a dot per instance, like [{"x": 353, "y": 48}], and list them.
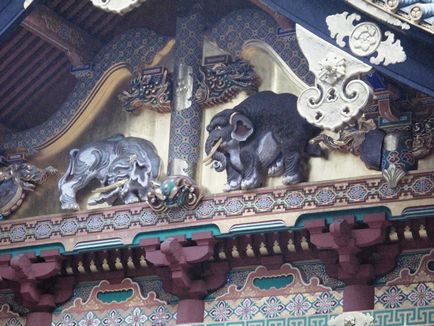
[
  {"x": 417, "y": 71},
  {"x": 12, "y": 12}
]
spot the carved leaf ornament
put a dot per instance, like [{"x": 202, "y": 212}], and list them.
[{"x": 365, "y": 39}]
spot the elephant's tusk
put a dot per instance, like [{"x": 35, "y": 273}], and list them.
[
  {"x": 111, "y": 186},
  {"x": 213, "y": 150}
]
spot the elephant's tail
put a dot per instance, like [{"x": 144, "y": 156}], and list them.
[{"x": 71, "y": 166}]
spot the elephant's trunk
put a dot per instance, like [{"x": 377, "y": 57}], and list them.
[{"x": 219, "y": 161}]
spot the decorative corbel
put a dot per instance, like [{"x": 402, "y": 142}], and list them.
[
  {"x": 38, "y": 284},
  {"x": 186, "y": 271},
  {"x": 338, "y": 95},
  {"x": 347, "y": 252}
]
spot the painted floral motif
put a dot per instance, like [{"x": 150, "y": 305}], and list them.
[
  {"x": 13, "y": 322},
  {"x": 160, "y": 315},
  {"x": 325, "y": 303},
  {"x": 89, "y": 321},
  {"x": 272, "y": 308},
  {"x": 421, "y": 295},
  {"x": 137, "y": 318},
  {"x": 299, "y": 305},
  {"x": 392, "y": 298},
  {"x": 112, "y": 319},
  {"x": 246, "y": 310},
  {"x": 221, "y": 311},
  {"x": 66, "y": 321}
]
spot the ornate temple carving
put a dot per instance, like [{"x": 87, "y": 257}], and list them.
[
  {"x": 337, "y": 97},
  {"x": 263, "y": 135},
  {"x": 17, "y": 178},
  {"x": 123, "y": 165},
  {"x": 174, "y": 191},
  {"x": 152, "y": 90},
  {"x": 365, "y": 39},
  {"x": 221, "y": 81}
]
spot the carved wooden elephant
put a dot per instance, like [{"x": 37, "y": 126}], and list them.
[
  {"x": 123, "y": 165},
  {"x": 262, "y": 135}
]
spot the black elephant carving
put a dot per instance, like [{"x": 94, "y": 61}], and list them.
[{"x": 263, "y": 135}]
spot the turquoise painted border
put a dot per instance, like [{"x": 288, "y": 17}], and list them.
[
  {"x": 34, "y": 249},
  {"x": 390, "y": 317},
  {"x": 187, "y": 231}
]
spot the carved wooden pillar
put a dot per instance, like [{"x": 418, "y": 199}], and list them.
[
  {"x": 78, "y": 45},
  {"x": 354, "y": 255},
  {"x": 37, "y": 283},
  {"x": 186, "y": 113},
  {"x": 186, "y": 271}
]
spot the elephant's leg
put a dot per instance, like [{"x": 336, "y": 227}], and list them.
[
  {"x": 233, "y": 179},
  {"x": 252, "y": 171},
  {"x": 276, "y": 168},
  {"x": 293, "y": 168},
  {"x": 67, "y": 195},
  {"x": 127, "y": 194},
  {"x": 142, "y": 193}
]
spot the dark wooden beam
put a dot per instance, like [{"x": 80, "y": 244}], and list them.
[
  {"x": 31, "y": 83},
  {"x": 78, "y": 45}
]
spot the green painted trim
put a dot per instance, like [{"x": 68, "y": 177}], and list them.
[
  {"x": 277, "y": 282},
  {"x": 115, "y": 296},
  {"x": 187, "y": 231},
  {"x": 34, "y": 249},
  {"x": 330, "y": 216}
]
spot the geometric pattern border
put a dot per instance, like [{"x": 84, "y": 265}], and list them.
[
  {"x": 390, "y": 317},
  {"x": 220, "y": 210}
]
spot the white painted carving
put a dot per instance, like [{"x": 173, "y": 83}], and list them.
[
  {"x": 332, "y": 68},
  {"x": 27, "y": 3},
  {"x": 390, "y": 51},
  {"x": 117, "y": 6},
  {"x": 365, "y": 38},
  {"x": 341, "y": 25},
  {"x": 352, "y": 318},
  {"x": 333, "y": 101}
]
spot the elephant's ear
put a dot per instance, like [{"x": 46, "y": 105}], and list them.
[
  {"x": 140, "y": 172},
  {"x": 242, "y": 127}
]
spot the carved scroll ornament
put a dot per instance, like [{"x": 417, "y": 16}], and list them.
[{"x": 337, "y": 96}]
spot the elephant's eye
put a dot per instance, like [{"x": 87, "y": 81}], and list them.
[{"x": 218, "y": 127}]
